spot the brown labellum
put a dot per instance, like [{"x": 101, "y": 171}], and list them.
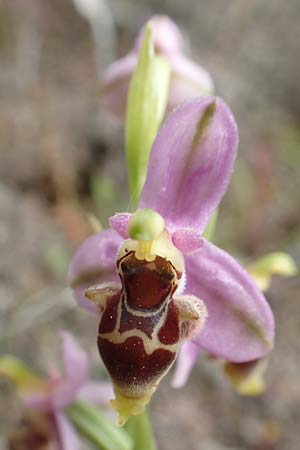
[{"x": 141, "y": 326}]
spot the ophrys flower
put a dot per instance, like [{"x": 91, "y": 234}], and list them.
[{"x": 169, "y": 275}]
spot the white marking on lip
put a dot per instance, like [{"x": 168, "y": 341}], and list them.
[{"x": 150, "y": 345}]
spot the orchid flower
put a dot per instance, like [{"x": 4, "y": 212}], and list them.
[
  {"x": 188, "y": 79},
  {"x": 52, "y": 396},
  {"x": 157, "y": 280}
]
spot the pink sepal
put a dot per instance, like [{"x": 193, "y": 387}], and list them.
[
  {"x": 119, "y": 222},
  {"x": 67, "y": 435}
]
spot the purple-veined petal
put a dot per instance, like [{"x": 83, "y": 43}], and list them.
[
  {"x": 115, "y": 82},
  {"x": 119, "y": 222},
  {"x": 187, "y": 240},
  {"x": 188, "y": 80},
  {"x": 99, "y": 393},
  {"x": 240, "y": 323},
  {"x": 94, "y": 263},
  {"x": 167, "y": 37},
  {"x": 76, "y": 369},
  {"x": 186, "y": 360},
  {"x": 191, "y": 163},
  {"x": 67, "y": 435}
]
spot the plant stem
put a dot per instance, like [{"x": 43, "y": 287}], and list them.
[{"x": 140, "y": 429}]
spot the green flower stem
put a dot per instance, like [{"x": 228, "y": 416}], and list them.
[
  {"x": 98, "y": 429},
  {"x": 140, "y": 430},
  {"x": 146, "y": 107}
]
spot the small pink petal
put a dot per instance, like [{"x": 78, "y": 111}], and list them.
[
  {"x": 119, "y": 222},
  {"x": 99, "y": 393},
  {"x": 76, "y": 369},
  {"x": 240, "y": 323},
  {"x": 186, "y": 360},
  {"x": 94, "y": 263},
  {"x": 167, "y": 37},
  {"x": 68, "y": 438},
  {"x": 187, "y": 240},
  {"x": 191, "y": 163},
  {"x": 75, "y": 359}
]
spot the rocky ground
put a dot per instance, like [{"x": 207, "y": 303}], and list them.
[{"x": 61, "y": 157}]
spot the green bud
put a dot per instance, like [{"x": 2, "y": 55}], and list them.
[
  {"x": 272, "y": 264},
  {"x": 247, "y": 378},
  {"x": 146, "y": 106},
  {"x": 146, "y": 225}
]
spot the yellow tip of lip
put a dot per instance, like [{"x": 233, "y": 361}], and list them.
[
  {"x": 121, "y": 420},
  {"x": 128, "y": 406}
]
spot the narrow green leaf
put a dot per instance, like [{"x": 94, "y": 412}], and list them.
[
  {"x": 98, "y": 429},
  {"x": 140, "y": 430},
  {"x": 146, "y": 106}
]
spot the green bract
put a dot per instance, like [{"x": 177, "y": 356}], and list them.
[{"x": 146, "y": 106}]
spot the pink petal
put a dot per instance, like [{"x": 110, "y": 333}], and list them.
[
  {"x": 94, "y": 263},
  {"x": 240, "y": 324},
  {"x": 68, "y": 438},
  {"x": 186, "y": 360},
  {"x": 119, "y": 222},
  {"x": 188, "y": 80},
  {"x": 115, "y": 84},
  {"x": 167, "y": 37},
  {"x": 99, "y": 393},
  {"x": 191, "y": 163},
  {"x": 187, "y": 240},
  {"x": 76, "y": 370},
  {"x": 75, "y": 359}
]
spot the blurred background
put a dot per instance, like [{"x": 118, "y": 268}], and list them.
[{"x": 61, "y": 161}]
